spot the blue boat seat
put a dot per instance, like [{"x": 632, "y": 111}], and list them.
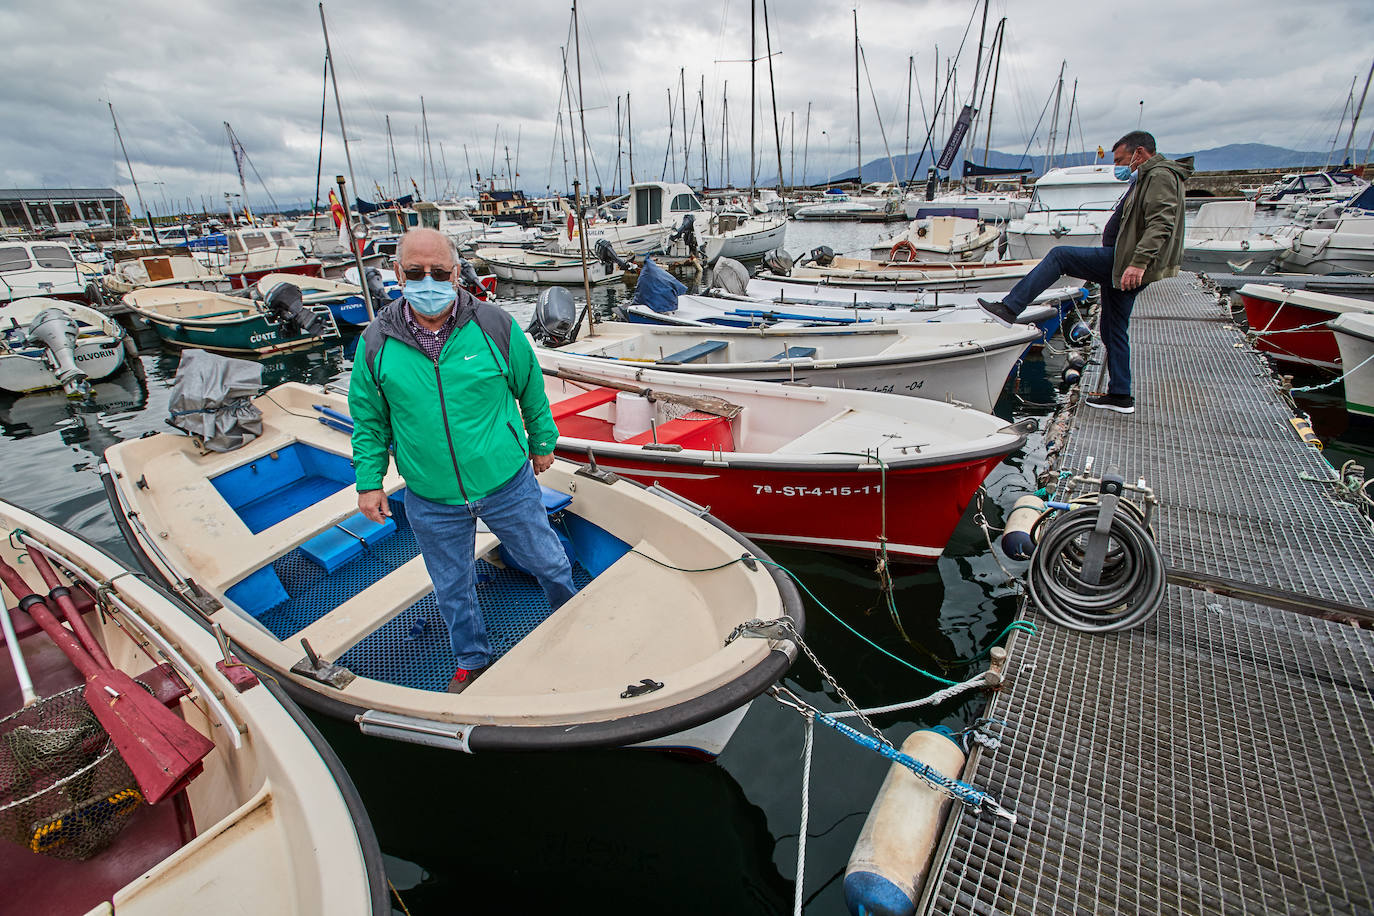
[
  {"x": 333, "y": 548},
  {"x": 691, "y": 354},
  {"x": 794, "y": 353}
]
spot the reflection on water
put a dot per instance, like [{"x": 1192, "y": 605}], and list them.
[{"x": 626, "y": 829}]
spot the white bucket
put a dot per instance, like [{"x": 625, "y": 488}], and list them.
[{"x": 633, "y": 415}]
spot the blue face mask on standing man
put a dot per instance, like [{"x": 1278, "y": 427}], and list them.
[
  {"x": 1122, "y": 172},
  {"x": 428, "y": 296}
]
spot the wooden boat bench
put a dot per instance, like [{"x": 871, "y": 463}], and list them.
[
  {"x": 582, "y": 402},
  {"x": 694, "y": 353}
]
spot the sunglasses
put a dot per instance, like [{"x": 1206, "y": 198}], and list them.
[{"x": 440, "y": 274}]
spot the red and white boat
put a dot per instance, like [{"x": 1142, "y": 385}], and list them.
[
  {"x": 1290, "y": 324},
  {"x": 828, "y": 468},
  {"x": 261, "y": 250}
]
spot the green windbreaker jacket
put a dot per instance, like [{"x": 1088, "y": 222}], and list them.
[{"x": 463, "y": 425}]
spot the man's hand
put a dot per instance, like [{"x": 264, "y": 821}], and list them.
[
  {"x": 373, "y": 505},
  {"x": 541, "y": 463},
  {"x": 1131, "y": 277}
]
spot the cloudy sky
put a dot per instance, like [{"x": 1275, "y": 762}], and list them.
[{"x": 491, "y": 74}]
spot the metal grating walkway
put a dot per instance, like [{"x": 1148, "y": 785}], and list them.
[{"x": 1220, "y": 759}]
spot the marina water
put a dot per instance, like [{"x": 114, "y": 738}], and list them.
[{"x": 634, "y": 830}]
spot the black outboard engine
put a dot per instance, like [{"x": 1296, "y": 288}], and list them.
[
  {"x": 687, "y": 233},
  {"x": 555, "y": 317},
  {"x": 285, "y": 305},
  {"x": 55, "y": 331},
  {"x": 376, "y": 287},
  {"x": 604, "y": 252},
  {"x": 821, "y": 256},
  {"x": 778, "y": 261},
  {"x": 468, "y": 279},
  {"x": 730, "y": 276}
]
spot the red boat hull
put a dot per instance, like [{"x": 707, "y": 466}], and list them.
[
  {"x": 1292, "y": 333},
  {"x": 840, "y": 510},
  {"x": 248, "y": 278}
]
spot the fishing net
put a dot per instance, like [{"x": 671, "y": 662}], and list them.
[{"x": 65, "y": 791}]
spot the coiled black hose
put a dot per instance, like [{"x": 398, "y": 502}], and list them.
[{"x": 1131, "y": 584}]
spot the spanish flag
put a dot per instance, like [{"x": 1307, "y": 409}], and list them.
[{"x": 337, "y": 211}]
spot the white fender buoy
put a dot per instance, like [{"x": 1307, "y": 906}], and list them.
[
  {"x": 1016, "y": 538},
  {"x": 894, "y": 849}
]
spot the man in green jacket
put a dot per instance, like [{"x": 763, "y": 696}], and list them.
[
  {"x": 453, "y": 385},
  {"x": 1142, "y": 242}
]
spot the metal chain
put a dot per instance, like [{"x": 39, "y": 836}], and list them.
[{"x": 830, "y": 679}]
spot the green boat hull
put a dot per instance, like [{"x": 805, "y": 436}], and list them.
[{"x": 254, "y": 335}]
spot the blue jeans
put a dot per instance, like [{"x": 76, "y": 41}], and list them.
[
  {"x": 1093, "y": 264},
  {"x": 446, "y": 535}
]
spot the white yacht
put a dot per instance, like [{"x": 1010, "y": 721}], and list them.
[
  {"x": 1070, "y": 206},
  {"x": 40, "y": 269}
]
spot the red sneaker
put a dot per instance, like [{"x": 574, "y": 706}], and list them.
[{"x": 463, "y": 678}]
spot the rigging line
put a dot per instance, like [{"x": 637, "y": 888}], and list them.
[
  {"x": 1038, "y": 122},
  {"x": 936, "y": 113},
  {"x": 319, "y": 163},
  {"x": 249, "y": 159},
  {"x": 878, "y": 112}
]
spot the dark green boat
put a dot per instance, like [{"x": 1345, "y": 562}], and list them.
[{"x": 233, "y": 324}]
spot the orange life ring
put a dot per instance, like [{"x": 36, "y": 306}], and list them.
[{"x": 903, "y": 246}]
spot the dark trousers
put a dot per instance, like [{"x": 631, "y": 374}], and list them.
[{"x": 1094, "y": 264}]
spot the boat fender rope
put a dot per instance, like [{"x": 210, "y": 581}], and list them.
[{"x": 1338, "y": 379}]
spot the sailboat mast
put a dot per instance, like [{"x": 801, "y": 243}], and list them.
[
  {"x": 616, "y": 181},
  {"x": 996, "y": 70},
  {"x": 773, "y": 92},
  {"x": 1068, "y": 125},
  {"x": 978, "y": 61},
  {"x": 906, "y": 149},
  {"x": 705, "y": 165},
  {"x": 686, "y": 131},
  {"x": 429, "y": 151},
  {"x": 725, "y": 132},
  {"x": 137, "y": 191},
  {"x": 753, "y": 66},
  {"x": 858, "y": 123},
  {"x": 234, "y": 147},
  {"x": 806, "y": 141},
  {"x": 582, "y": 126},
  {"x": 1054, "y": 120},
  {"x": 391, "y": 147},
  {"x": 630, "y": 137},
  {"x": 343, "y": 131},
  {"x": 1349, "y": 140}
]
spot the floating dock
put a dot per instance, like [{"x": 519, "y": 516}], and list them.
[{"x": 1219, "y": 758}]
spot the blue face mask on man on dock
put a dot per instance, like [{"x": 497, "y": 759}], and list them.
[{"x": 428, "y": 296}]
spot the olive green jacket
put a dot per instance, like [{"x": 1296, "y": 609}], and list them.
[{"x": 1151, "y": 233}]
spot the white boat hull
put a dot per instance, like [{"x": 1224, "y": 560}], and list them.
[
  {"x": 1033, "y": 241},
  {"x": 543, "y": 267},
  {"x": 98, "y": 357},
  {"x": 746, "y": 243},
  {"x": 1216, "y": 257},
  {"x": 1355, "y": 337}
]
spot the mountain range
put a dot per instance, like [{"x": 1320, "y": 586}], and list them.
[{"x": 1221, "y": 158}]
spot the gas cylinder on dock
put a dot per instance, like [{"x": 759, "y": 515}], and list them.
[
  {"x": 894, "y": 849},
  {"x": 1016, "y": 537}
]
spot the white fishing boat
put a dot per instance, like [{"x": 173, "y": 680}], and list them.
[
  {"x": 1070, "y": 206},
  {"x": 736, "y": 233},
  {"x": 342, "y": 611},
  {"x": 864, "y": 274},
  {"x": 722, "y": 310},
  {"x": 939, "y": 236},
  {"x": 53, "y": 343},
  {"x": 43, "y": 269},
  {"x": 842, "y": 207},
  {"x": 782, "y": 462},
  {"x": 993, "y": 206},
  {"x": 265, "y": 821},
  {"x": 968, "y": 363},
  {"x": 1354, "y": 332},
  {"x": 1220, "y": 238},
  {"x": 544, "y": 267},
  {"x": 179, "y": 270},
  {"x": 1344, "y": 245}
]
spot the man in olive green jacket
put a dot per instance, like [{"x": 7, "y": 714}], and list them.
[
  {"x": 453, "y": 386},
  {"x": 1142, "y": 242}
]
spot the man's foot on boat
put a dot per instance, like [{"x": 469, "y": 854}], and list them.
[
  {"x": 1121, "y": 403},
  {"x": 998, "y": 312},
  {"x": 463, "y": 678}
]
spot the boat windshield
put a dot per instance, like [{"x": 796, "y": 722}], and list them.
[
  {"x": 282, "y": 238},
  {"x": 255, "y": 240},
  {"x": 1078, "y": 197},
  {"x": 53, "y": 257},
  {"x": 14, "y": 258}
]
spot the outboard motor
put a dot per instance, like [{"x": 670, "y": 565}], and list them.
[
  {"x": 604, "y": 252},
  {"x": 729, "y": 275},
  {"x": 821, "y": 256},
  {"x": 686, "y": 232},
  {"x": 376, "y": 286},
  {"x": 468, "y": 279},
  {"x": 285, "y": 305},
  {"x": 555, "y": 317},
  {"x": 55, "y": 331},
  {"x": 778, "y": 261}
]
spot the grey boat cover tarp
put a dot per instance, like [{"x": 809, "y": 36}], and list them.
[{"x": 212, "y": 400}]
